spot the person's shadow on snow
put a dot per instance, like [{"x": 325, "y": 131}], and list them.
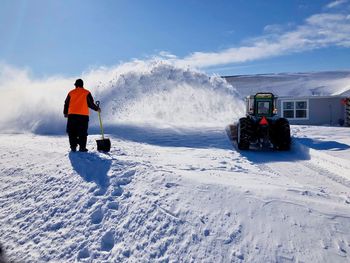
[{"x": 92, "y": 168}]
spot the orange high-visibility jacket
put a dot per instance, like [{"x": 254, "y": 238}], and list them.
[{"x": 78, "y": 101}]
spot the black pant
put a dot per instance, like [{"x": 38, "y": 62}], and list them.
[{"x": 77, "y": 127}]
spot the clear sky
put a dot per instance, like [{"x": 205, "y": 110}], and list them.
[{"x": 227, "y": 37}]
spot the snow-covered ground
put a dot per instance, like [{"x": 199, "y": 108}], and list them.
[
  {"x": 176, "y": 195},
  {"x": 173, "y": 188}
]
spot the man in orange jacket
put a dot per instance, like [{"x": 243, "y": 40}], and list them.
[{"x": 76, "y": 108}]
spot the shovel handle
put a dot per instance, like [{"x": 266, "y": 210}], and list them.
[{"x": 99, "y": 117}]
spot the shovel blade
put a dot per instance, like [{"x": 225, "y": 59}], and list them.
[{"x": 103, "y": 145}]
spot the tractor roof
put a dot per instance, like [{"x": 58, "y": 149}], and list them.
[{"x": 262, "y": 95}]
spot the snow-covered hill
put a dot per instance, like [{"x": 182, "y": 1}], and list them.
[
  {"x": 296, "y": 84},
  {"x": 173, "y": 188}
]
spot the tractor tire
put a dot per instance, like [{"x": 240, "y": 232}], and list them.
[
  {"x": 244, "y": 133},
  {"x": 282, "y": 139}
]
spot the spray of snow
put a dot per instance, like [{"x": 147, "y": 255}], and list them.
[
  {"x": 161, "y": 93},
  {"x": 152, "y": 92}
]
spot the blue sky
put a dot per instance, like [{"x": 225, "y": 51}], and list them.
[{"x": 230, "y": 37}]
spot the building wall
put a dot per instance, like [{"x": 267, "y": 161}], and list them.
[{"x": 321, "y": 110}]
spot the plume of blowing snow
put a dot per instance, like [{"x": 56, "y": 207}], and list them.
[{"x": 152, "y": 92}]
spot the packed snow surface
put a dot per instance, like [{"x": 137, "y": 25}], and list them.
[
  {"x": 176, "y": 195},
  {"x": 173, "y": 188}
]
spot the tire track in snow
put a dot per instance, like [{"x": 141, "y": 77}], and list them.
[
  {"x": 327, "y": 173},
  {"x": 315, "y": 170},
  {"x": 320, "y": 162}
]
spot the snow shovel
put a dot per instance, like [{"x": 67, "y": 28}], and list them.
[{"x": 103, "y": 145}]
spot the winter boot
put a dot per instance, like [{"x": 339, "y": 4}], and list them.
[
  {"x": 73, "y": 141},
  {"x": 82, "y": 144}
]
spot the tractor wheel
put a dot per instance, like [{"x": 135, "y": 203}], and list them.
[
  {"x": 282, "y": 138},
  {"x": 244, "y": 134}
]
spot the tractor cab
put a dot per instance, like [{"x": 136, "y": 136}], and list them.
[{"x": 261, "y": 105}]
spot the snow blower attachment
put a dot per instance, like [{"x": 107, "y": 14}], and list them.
[
  {"x": 103, "y": 145},
  {"x": 261, "y": 128}
]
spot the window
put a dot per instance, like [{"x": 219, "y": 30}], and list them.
[
  {"x": 300, "y": 109},
  {"x": 297, "y": 109},
  {"x": 263, "y": 107},
  {"x": 288, "y": 109}
]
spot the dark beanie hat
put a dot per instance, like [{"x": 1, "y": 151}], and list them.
[{"x": 79, "y": 83}]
